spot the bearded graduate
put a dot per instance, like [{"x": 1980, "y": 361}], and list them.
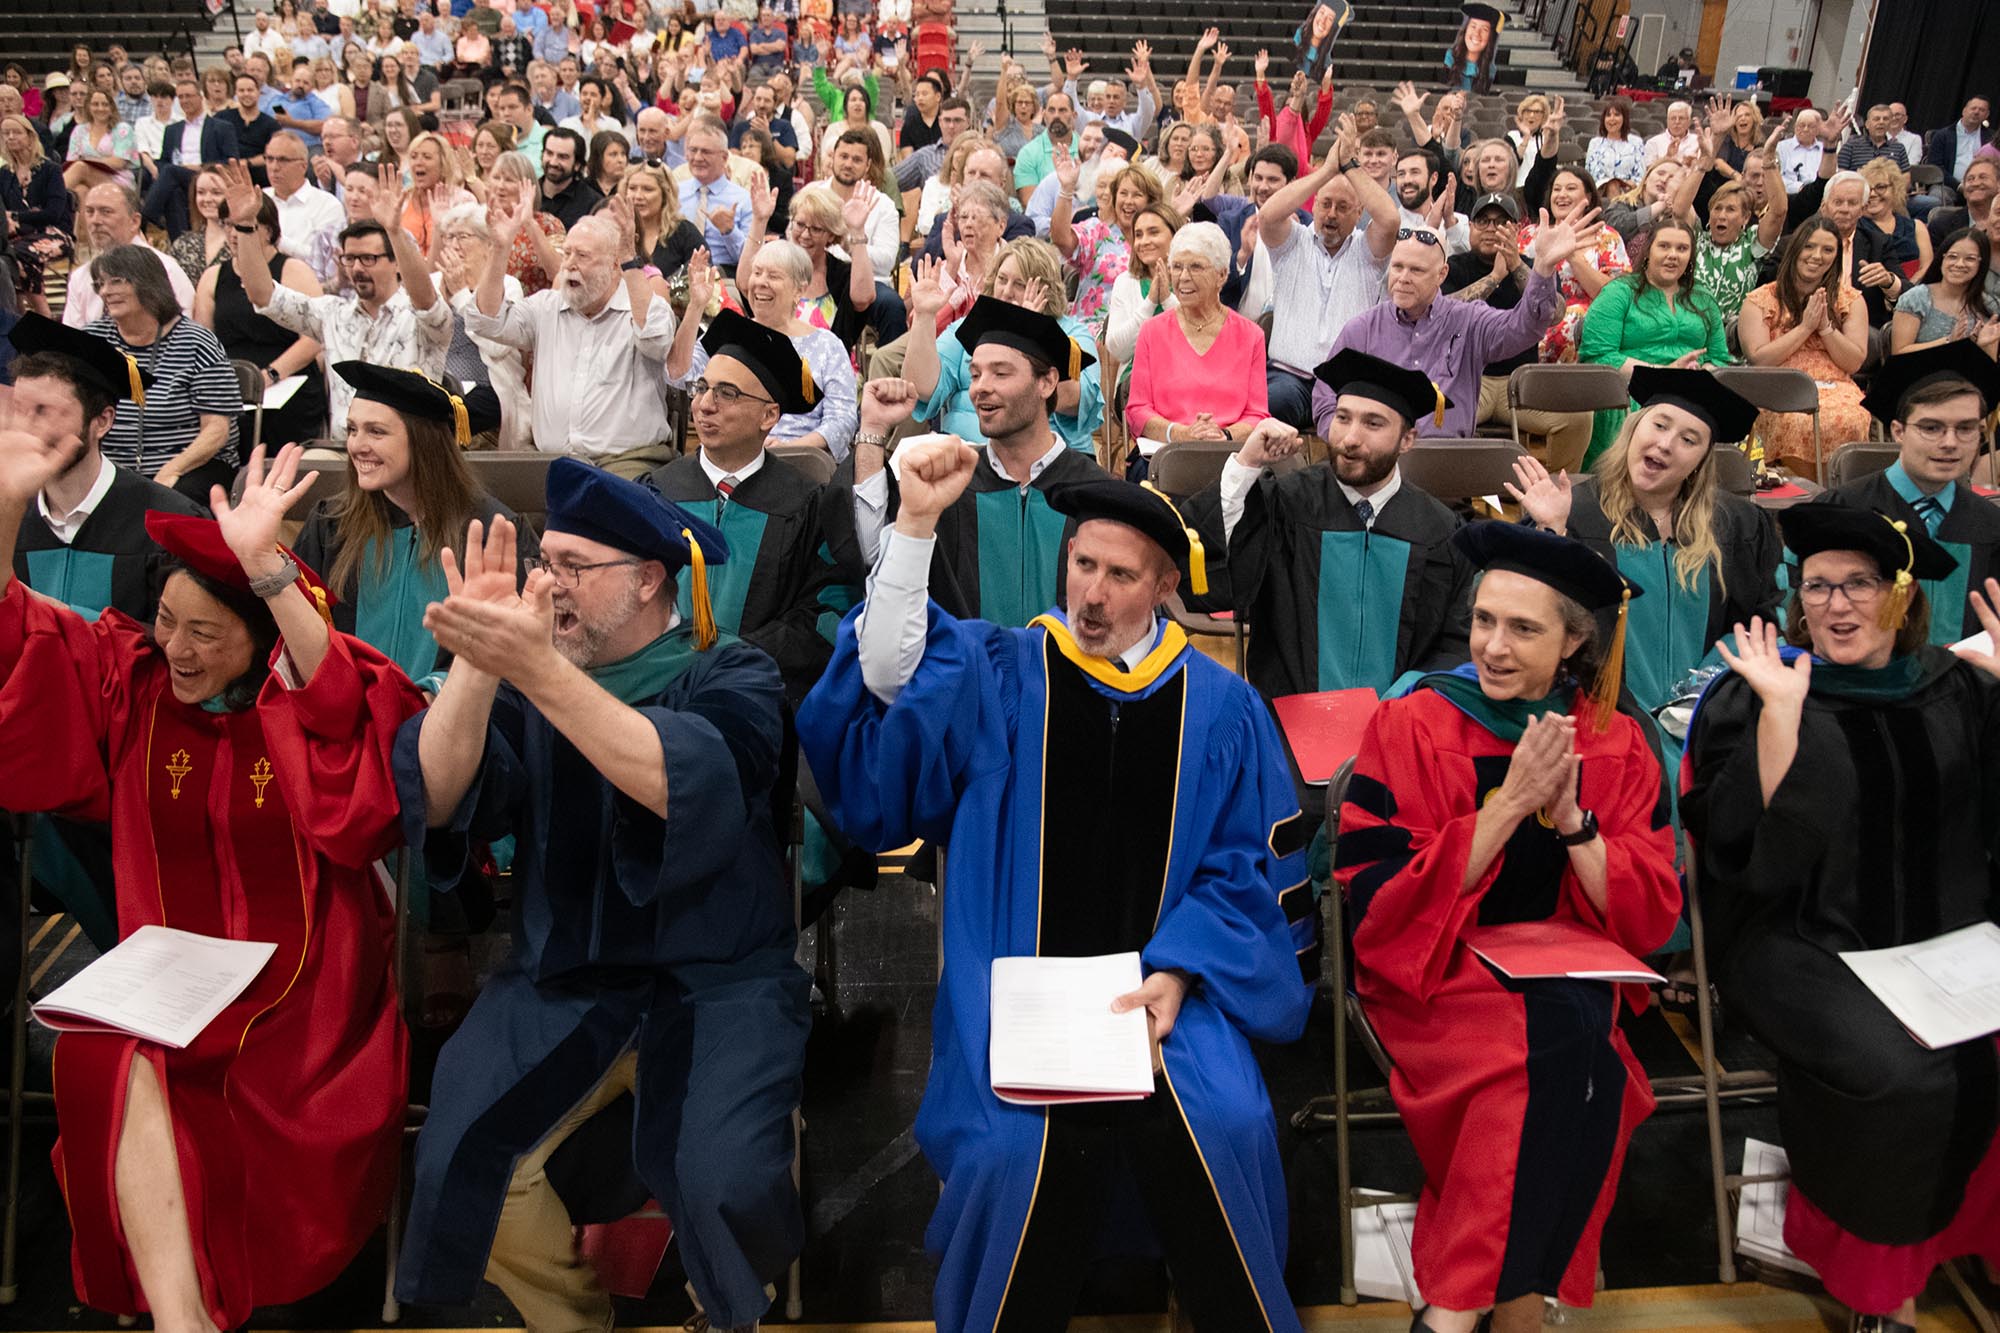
[
  {"x": 1509, "y": 791},
  {"x": 1099, "y": 787},
  {"x": 639, "y": 759},
  {"x": 1843, "y": 793},
  {"x": 1706, "y": 559},
  {"x": 240, "y": 750}
]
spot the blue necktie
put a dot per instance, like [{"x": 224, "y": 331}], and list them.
[
  {"x": 1365, "y": 511},
  {"x": 1930, "y": 511}
]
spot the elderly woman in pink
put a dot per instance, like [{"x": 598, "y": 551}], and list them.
[{"x": 1198, "y": 370}]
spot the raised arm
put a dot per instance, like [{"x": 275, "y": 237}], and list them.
[
  {"x": 251, "y": 526},
  {"x": 452, "y": 741}
]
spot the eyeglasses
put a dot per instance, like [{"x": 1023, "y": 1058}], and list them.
[
  {"x": 1419, "y": 236},
  {"x": 569, "y": 576},
  {"x": 1502, "y": 221},
  {"x": 727, "y": 393},
  {"x": 1859, "y": 591},
  {"x": 1931, "y": 432},
  {"x": 362, "y": 259}
]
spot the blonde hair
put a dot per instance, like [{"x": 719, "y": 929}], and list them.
[
  {"x": 1637, "y": 194},
  {"x": 953, "y": 169},
  {"x": 1038, "y": 261},
  {"x": 670, "y": 197},
  {"x": 1882, "y": 171},
  {"x": 1693, "y": 536},
  {"x": 816, "y": 206},
  {"x": 448, "y": 170},
  {"x": 34, "y": 153},
  {"x": 1532, "y": 102}
]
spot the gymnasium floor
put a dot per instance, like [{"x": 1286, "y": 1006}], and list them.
[{"x": 868, "y": 1192}]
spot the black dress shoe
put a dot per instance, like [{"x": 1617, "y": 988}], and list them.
[{"x": 1876, "y": 1323}]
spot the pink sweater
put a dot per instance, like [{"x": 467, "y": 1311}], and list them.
[{"x": 1169, "y": 380}]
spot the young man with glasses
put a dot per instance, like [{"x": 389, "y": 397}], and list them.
[
  {"x": 392, "y": 317},
  {"x": 1935, "y": 403},
  {"x": 778, "y": 591}
]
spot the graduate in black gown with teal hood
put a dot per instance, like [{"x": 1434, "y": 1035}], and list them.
[{"x": 1843, "y": 792}]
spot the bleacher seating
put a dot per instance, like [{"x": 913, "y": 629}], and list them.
[{"x": 40, "y": 33}]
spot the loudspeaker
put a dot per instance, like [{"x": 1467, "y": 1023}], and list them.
[{"x": 1785, "y": 82}]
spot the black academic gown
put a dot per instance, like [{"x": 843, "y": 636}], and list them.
[
  {"x": 111, "y": 565},
  {"x": 1882, "y": 832},
  {"x": 1970, "y": 531},
  {"x": 1000, "y": 547},
  {"x": 781, "y": 588}
]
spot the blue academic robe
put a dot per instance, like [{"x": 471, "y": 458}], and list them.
[
  {"x": 998, "y": 751},
  {"x": 673, "y": 936}
]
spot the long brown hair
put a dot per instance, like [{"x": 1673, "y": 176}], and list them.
[
  {"x": 446, "y": 495},
  {"x": 1791, "y": 301},
  {"x": 1694, "y": 509}
]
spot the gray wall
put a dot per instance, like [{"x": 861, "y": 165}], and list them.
[{"x": 1771, "y": 32}]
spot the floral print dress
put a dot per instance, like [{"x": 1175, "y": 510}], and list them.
[
  {"x": 1100, "y": 259},
  {"x": 1607, "y": 255}
]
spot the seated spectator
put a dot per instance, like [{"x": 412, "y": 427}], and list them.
[
  {"x": 1679, "y": 139},
  {"x": 1729, "y": 252},
  {"x": 710, "y": 199},
  {"x": 857, "y": 114},
  {"x": 1025, "y": 273},
  {"x": 1808, "y": 319},
  {"x": 758, "y": 149},
  {"x": 1907, "y": 246},
  {"x": 41, "y": 215},
  {"x": 1865, "y": 261},
  {"x": 666, "y": 239},
  {"x": 1953, "y": 148},
  {"x": 1096, "y": 249},
  {"x": 1652, "y": 316},
  {"x": 598, "y": 340},
  {"x": 1469, "y": 1045},
  {"x": 1598, "y": 259},
  {"x": 920, "y": 120},
  {"x": 1198, "y": 373},
  {"x": 473, "y": 50},
  {"x": 1977, "y": 189},
  {"x": 1817, "y": 808},
  {"x": 1874, "y": 141},
  {"x": 254, "y": 126},
  {"x": 390, "y": 315},
  {"x": 223, "y": 308},
  {"x": 435, "y": 187},
  {"x": 1653, "y": 198},
  {"x": 158, "y": 1143},
  {"x": 408, "y": 86},
  {"x": 308, "y": 213},
  {"x": 1169, "y": 165},
  {"x": 1799, "y": 156},
  {"x": 1294, "y": 127},
  {"x": 1531, "y": 115},
  {"x": 843, "y": 296},
  {"x": 185, "y": 435},
  {"x": 609, "y": 156},
  {"x": 1951, "y": 301},
  {"x": 1495, "y": 272},
  {"x": 772, "y": 284},
  {"x": 1651, "y": 507},
  {"x": 1744, "y": 140},
  {"x": 565, "y": 191},
  {"x": 1452, "y": 342},
  {"x": 534, "y": 257},
  {"x": 300, "y": 110},
  {"x": 110, "y": 219},
  {"x": 100, "y": 146},
  {"x": 853, "y": 171},
  {"x": 1144, "y": 289},
  {"x": 762, "y": 111},
  {"x": 983, "y": 162},
  {"x": 465, "y": 247}
]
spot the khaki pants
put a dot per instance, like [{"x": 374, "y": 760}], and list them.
[
  {"x": 886, "y": 361},
  {"x": 1557, "y": 440},
  {"x": 534, "y": 1260},
  {"x": 638, "y": 464}
]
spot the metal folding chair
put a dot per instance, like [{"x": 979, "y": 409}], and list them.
[
  {"x": 1451, "y": 470},
  {"x": 1564, "y": 388},
  {"x": 1780, "y": 389},
  {"x": 816, "y": 463},
  {"x": 1859, "y": 459},
  {"x": 250, "y": 383}
]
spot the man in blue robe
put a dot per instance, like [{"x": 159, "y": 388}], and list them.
[
  {"x": 641, "y": 761},
  {"x": 1098, "y": 787}
]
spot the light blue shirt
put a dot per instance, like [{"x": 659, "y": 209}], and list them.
[
  {"x": 434, "y": 48},
  {"x": 309, "y": 107},
  {"x": 698, "y": 201},
  {"x": 531, "y": 22},
  {"x": 552, "y": 44},
  {"x": 563, "y": 107},
  {"x": 1899, "y": 482}
]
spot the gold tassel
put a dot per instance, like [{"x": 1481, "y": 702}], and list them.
[
  {"x": 138, "y": 385},
  {"x": 806, "y": 380},
  {"x": 1075, "y": 361},
  {"x": 1197, "y": 557},
  {"x": 1896, "y": 606},
  {"x": 1604, "y": 690},
  {"x": 461, "y": 421},
  {"x": 318, "y": 596},
  {"x": 1437, "y": 415},
  {"x": 704, "y": 616},
  {"x": 1499, "y": 24}
]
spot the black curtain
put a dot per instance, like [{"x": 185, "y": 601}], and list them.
[{"x": 1931, "y": 55}]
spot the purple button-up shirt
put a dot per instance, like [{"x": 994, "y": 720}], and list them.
[{"x": 1451, "y": 342}]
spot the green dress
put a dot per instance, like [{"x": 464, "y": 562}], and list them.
[{"x": 1625, "y": 323}]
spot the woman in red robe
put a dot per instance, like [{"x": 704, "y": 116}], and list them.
[
  {"x": 249, "y": 801},
  {"x": 1506, "y": 792}
]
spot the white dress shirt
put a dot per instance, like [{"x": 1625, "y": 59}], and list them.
[
  {"x": 1663, "y": 145},
  {"x": 895, "y": 618},
  {"x": 1798, "y": 163},
  {"x": 603, "y": 123},
  {"x": 883, "y": 233},
  {"x": 871, "y": 497},
  {"x": 66, "y": 526},
  {"x": 302, "y": 218},
  {"x": 716, "y": 476},
  {"x": 600, "y": 382},
  {"x": 1237, "y": 481}
]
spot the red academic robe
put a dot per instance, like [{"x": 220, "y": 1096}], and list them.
[
  {"x": 1519, "y": 1096},
  {"x": 259, "y": 824}
]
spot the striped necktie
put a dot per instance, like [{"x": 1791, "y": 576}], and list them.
[
  {"x": 1930, "y": 511},
  {"x": 724, "y": 488}
]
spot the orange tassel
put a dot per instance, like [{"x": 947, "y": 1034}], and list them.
[
  {"x": 1610, "y": 677},
  {"x": 704, "y": 614}
]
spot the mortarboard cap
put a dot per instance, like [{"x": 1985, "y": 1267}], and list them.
[
  {"x": 1900, "y": 376},
  {"x": 992, "y": 320},
  {"x": 591, "y": 503},
  {"x": 1572, "y": 569},
  {"x": 415, "y": 394},
  {"x": 1903, "y": 551},
  {"x": 1728, "y": 414},
  {"x": 97, "y": 359},
  {"x": 1398, "y": 388},
  {"x": 768, "y": 354},
  {"x": 1487, "y": 12},
  {"x": 198, "y": 544},
  {"x": 1112, "y": 134},
  {"x": 1143, "y": 507}
]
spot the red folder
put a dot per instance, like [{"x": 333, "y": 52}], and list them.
[
  {"x": 621, "y": 33},
  {"x": 1324, "y": 729},
  {"x": 1531, "y": 949}
]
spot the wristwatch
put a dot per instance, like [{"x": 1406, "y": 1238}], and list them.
[
  {"x": 1585, "y": 832},
  {"x": 632, "y": 264},
  {"x": 871, "y": 438}
]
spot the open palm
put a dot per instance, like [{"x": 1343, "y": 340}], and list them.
[{"x": 250, "y": 525}]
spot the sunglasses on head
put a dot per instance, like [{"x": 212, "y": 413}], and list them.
[{"x": 1419, "y": 236}]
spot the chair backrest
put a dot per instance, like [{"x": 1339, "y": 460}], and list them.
[
  {"x": 1772, "y": 388},
  {"x": 1926, "y": 174},
  {"x": 1734, "y": 472},
  {"x": 1461, "y": 469},
  {"x": 1571, "y": 388},
  {"x": 517, "y": 478},
  {"x": 1861, "y": 458},
  {"x": 815, "y": 462},
  {"x": 249, "y": 383},
  {"x": 1188, "y": 467}
]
